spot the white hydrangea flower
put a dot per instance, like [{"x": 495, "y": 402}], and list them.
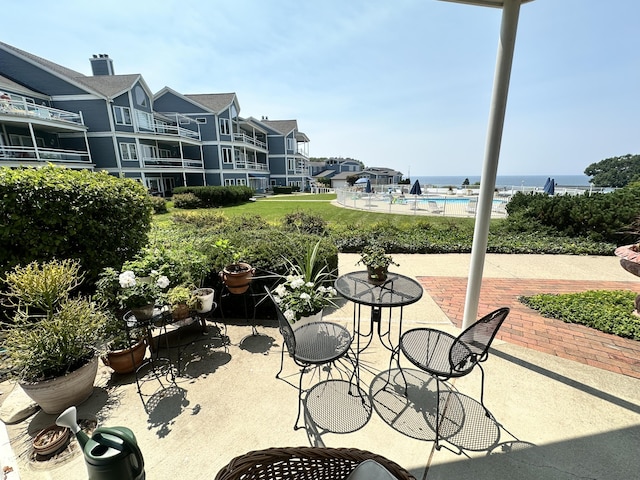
[
  {"x": 127, "y": 279},
  {"x": 281, "y": 290},
  {"x": 290, "y": 316},
  {"x": 297, "y": 283},
  {"x": 305, "y": 296},
  {"x": 309, "y": 284},
  {"x": 163, "y": 281}
]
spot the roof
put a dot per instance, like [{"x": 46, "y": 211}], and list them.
[
  {"x": 106, "y": 85},
  {"x": 325, "y": 173},
  {"x": 282, "y": 126},
  {"x": 216, "y": 102}
]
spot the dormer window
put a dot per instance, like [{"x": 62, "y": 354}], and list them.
[
  {"x": 225, "y": 128},
  {"x": 140, "y": 96}
]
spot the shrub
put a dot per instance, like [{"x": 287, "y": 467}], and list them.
[
  {"x": 216, "y": 196},
  {"x": 607, "y": 311},
  {"x": 186, "y": 200},
  {"x": 54, "y": 212},
  {"x": 304, "y": 222},
  {"x": 281, "y": 190},
  {"x": 159, "y": 205}
]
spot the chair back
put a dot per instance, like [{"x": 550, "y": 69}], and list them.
[
  {"x": 472, "y": 345},
  {"x": 283, "y": 325}
]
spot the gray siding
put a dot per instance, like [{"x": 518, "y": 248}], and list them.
[{"x": 102, "y": 152}]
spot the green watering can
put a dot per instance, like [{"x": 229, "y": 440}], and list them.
[{"x": 110, "y": 453}]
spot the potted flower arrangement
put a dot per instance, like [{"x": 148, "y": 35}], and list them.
[
  {"x": 235, "y": 274},
  {"x": 377, "y": 262},
  {"x": 140, "y": 293},
  {"x": 307, "y": 290},
  {"x": 182, "y": 300},
  {"x": 55, "y": 338}
]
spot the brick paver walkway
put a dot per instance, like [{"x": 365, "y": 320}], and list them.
[{"x": 526, "y": 327}]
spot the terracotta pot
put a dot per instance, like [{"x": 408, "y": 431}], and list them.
[
  {"x": 51, "y": 439},
  {"x": 237, "y": 277},
  {"x": 59, "y": 393},
  {"x": 127, "y": 359},
  {"x": 377, "y": 276},
  {"x": 629, "y": 259},
  {"x": 180, "y": 311}
]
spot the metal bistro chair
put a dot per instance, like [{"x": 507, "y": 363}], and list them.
[
  {"x": 310, "y": 344},
  {"x": 444, "y": 356}
]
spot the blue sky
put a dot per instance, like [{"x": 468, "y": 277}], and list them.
[{"x": 404, "y": 84}]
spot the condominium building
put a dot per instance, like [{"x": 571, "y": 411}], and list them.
[{"x": 104, "y": 121}]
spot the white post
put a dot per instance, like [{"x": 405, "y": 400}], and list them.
[{"x": 506, "y": 45}]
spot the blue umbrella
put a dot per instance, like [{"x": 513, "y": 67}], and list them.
[
  {"x": 550, "y": 188},
  {"x": 546, "y": 184},
  {"x": 362, "y": 180},
  {"x": 367, "y": 188},
  {"x": 415, "y": 189}
]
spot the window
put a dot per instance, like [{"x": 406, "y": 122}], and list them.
[
  {"x": 141, "y": 97},
  {"x": 122, "y": 115},
  {"x": 149, "y": 152},
  {"x": 291, "y": 163},
  {"x": 225, "y": 128},
  {"x": 226, "y": 155},
  {"x": 128, "y": 151},
  {"x": 229, "y": 181},
  {"x": 164, "y": 153},
  {"x": 145, "y": 121},
  {"x": 291, "y": 144},
  {"x": 201, "y": 120},
  {"x": 25, "y": 141},
  {"x": 241, "y": 181}
]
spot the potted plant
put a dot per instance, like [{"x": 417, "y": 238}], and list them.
[
  {"x": 181, "y": 300},
  {"x": 235, "y": 274},
  {"x": 377, "y": 262},
  {"x": 203, "y": 299},
  {"x": 125, "y": 349},
  {"x": 307, "y": 290},
  {"x": 55, "y": 339},
  {"x": 139, "y": 294}
]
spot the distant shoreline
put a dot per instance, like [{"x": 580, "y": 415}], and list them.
[{"x": 508, "y": 181}]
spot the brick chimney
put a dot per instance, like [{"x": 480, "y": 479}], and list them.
[{"x": 101, "y": 64}]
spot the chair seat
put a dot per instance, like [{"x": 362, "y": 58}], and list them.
[
  {"x": 429, "y": 350},
  {"x": 321, "y": 342}
]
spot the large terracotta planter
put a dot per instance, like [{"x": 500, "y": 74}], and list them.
[
  {"x": 59, "y": 393},
  {"x": 237, "y": 277},
  {"x": 629, "y": 259},
  {"x": 127, "y": 359}
]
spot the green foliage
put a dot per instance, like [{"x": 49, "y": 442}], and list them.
[
  {"x": 300, "y": 221},
  {"x": 607, "y": 311},
  {"x": 615, "y": 171},
  {"x": 54, "y": 212},
  {"x": 599, "y": 217},
  {"x": 186, "y": 200},
  {"x": 282, "y": 190},
  {"x": 159, "y": 205},
  {"x": 213, "y": 196},
  {"x": 375, "y": 257}
]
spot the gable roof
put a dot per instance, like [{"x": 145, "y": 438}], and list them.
[
  {"x": 103, "y": 85},
  {"x": 216, "y": 102},
  {"x": 282, "y": 126}
]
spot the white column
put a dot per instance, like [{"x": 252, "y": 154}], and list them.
[{"x": 506, "y": 45}]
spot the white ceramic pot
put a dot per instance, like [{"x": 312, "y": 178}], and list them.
[{"x": 205, "y": 297}]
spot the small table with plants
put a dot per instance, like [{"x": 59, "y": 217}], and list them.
[{"x": 396, "y": 291}]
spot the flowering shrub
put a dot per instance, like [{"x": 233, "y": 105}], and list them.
[
  {"x": 298, "y": 298},
  {"x": 137, "y": 292}
]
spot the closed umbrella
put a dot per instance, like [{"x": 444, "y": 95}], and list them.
[
  {"x": 546, "y": 184},
  {"x": 415, "y": 188},
  {"x": 367, "y": 188},
  {"x": 550, "y": 187}
]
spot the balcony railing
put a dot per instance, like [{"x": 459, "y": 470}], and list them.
[
  {"x": 172, "y": 162},
  {"x": 241, "y": 137},
  {"x": 174, "y": 130},
  {"x": 43, "y": 154},
  {"x": 28, "y": 109},
  {"x": 245, "y": 165}
]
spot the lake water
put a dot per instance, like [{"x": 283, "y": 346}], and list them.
[{"x": 508, "y": 181}]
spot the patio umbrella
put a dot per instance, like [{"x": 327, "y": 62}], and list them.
[
  {"x": 415, "y": 189},
  {"x": 362, "y": 180},
  {"x": 546, "y": 184},
  {"x": 550, "y": 187},
  {"x": 367, "y": 188}
]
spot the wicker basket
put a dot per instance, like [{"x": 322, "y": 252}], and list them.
[{"x": 305, "y": 463}]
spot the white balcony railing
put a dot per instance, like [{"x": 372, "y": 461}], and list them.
[
  {"x": 27, "y": 109},
  {"x": 43, "y": 154},
  {"x": 244, "y": 138},
  {"x": 174, "y": 130},
  {"x": 246, "y": 165},
  {"x": 172, "y": 162}
]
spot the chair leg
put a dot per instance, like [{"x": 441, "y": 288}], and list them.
[
  {"x": 281, "y": 362},
  {"x": 437, "y": 413},
  {"x": 486, "y": 410}
]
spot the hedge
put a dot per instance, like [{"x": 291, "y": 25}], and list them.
[
  {"x": 215, "y": 196},
  {"x": 53, "y": 212}
]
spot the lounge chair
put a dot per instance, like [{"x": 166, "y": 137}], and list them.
[
  {"x": 433, "y": 207},
  {"x": 472, "y": 205}
]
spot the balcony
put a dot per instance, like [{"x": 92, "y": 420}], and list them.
[
  {"x": 244, "y": 138},
  {"x": 22, "y": 108},
  {"x": 176, "y": 131},
  {"x": 54, "y": 155},
  {"x": 247, "y": 165},
  {"x": 172, "y": 162}
]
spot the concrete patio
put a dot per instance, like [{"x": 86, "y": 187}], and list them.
[{"x": 554, "y": 418}]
